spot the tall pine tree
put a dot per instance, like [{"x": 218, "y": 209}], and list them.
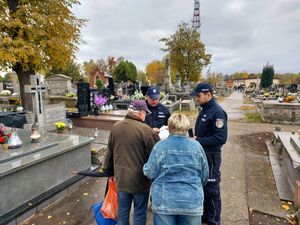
[{"x": 267, "y": 76}]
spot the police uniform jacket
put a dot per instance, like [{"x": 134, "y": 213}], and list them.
[
  {"x": 211, "y": 127},
  {"x": 158, "y": 117}
]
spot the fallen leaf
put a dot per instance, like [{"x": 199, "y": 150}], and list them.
[
  {"x": 277, "y": 219},
  {"x": 286, "y": 207},
  {"x": 231, "y": 177},
  {"x": 49, "y": 217},
  {"x": 85, "y": 194}
]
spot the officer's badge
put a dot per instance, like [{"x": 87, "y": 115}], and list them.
[{"x": 219, "y": 123}]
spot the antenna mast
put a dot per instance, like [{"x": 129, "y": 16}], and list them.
[{"x": 196, "y": 18}]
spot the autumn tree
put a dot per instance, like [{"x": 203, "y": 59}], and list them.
[
  {"x": 142, "y": 77},
  {"x": 91, "y": 66},
  {"x": 72, "y": 70},
  {"x": 215, "y": 79},
  {"x": 187, "y": 52},
  {"x": 267, "y": 76},
  {"x": 37, "y": 36},
  {"x": 125, "y": 71},
  {"x": 155, "y": 71},
  {"x": 111, "y": 63}
]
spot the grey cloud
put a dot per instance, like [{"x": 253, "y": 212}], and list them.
[{"x": 241, "y": 34}]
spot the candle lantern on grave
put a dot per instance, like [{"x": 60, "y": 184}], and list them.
[
  {"x": 14, "y": 140},
  {"x": 35, "y": 133}
]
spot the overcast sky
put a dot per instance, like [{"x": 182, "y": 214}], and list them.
[{"x": 242, "y": 35}]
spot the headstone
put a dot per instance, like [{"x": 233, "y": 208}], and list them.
[
  {"x": 36, "y": 88},
  {"x": 111, "y": 86},
  {"x": 178, "y": 81},
  {"x": 186, "y": 88},
  {"x": 54, "y": 113},
  {"x": 167, "y": 77},
  {"x": 59, "y": 84},
  {"x": 144, "y": 89},
  {"x": 83, "y": 99}
]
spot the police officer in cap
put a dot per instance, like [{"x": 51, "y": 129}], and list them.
[
  {"x": 159, "y": 113},
  {"x": 211, "y": 133}
]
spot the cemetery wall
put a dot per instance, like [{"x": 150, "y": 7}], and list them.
[{"x": 283, "y": 113}]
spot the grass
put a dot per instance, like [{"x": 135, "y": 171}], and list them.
[
  {"x": 248, "y": 107},
  {"x": 253, "y": 117},
  {"x": 194, "y": 112}
]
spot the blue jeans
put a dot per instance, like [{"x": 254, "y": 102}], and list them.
[
  {"x": 160, "y": 219},
  {"x": 140, "y": 202}
]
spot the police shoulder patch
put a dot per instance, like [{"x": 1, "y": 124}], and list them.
[{"x": 220, "y": 123}]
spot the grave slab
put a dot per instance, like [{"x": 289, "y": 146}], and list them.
[
  {"x": 285, "y": 161},
  {"x": 104, "y": 121},
  {"x": 35, "y": 168}
]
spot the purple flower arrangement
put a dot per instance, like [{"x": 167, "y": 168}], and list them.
[{"x": 100, "y": 100}]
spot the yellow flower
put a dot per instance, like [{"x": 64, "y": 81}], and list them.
[{"x": 60, "y": 125}]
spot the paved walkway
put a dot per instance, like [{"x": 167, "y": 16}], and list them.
[{"x": 232, "y": 105}]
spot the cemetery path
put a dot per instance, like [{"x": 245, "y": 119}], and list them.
[
  {"x": 247, "y": 179},
  {"x": 232, "y": 105}
]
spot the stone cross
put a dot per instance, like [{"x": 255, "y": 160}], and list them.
[{"x": 36, "y": 88}]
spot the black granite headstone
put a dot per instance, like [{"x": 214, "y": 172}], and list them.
[
  {"x": 83, "y": 99},
  {"x": 144, "y": 89},
  {"x": 111, "y": 86}
]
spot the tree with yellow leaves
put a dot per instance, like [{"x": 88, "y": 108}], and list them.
[
  {"x": 155, "y": 71},
  {"x": 36, "y": 36},
  {"x": 187, "y": 52}
]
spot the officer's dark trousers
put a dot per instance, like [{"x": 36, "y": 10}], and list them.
[{"x": 212, "y": 195}]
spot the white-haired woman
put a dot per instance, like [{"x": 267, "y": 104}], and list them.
[{"x": 178, "y": 168}]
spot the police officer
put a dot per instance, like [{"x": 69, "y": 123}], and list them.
[
  {"x": 211, "y": 133},
  {"x": 159, "y": 113}
]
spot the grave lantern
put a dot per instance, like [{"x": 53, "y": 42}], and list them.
[
  {"x": 14, "y": 140},
  {"x": 35, "y": 133}
]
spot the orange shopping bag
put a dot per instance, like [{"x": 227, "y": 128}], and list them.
[{"x": 109, "y": 208}]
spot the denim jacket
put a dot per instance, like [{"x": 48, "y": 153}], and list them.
[{"x": 179, "y": 169}]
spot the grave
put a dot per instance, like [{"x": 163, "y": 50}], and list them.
[
  {"x": 36, "y": 174},
  {"x": 285, "y": 161},
  {"x": 104, "y": 121},
  {"x": 187, "y": 105},
  {"x": 272, "y": 111},
  {"x": 58, "y": 86},
  {"x": 47, "y": 115}
]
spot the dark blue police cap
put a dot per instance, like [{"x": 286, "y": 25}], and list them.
[
  {"x": 201, "y": 87},
  {"x": 153, "y": 92}
]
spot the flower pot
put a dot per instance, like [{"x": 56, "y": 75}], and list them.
[{"x": 60, "y": 131}]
